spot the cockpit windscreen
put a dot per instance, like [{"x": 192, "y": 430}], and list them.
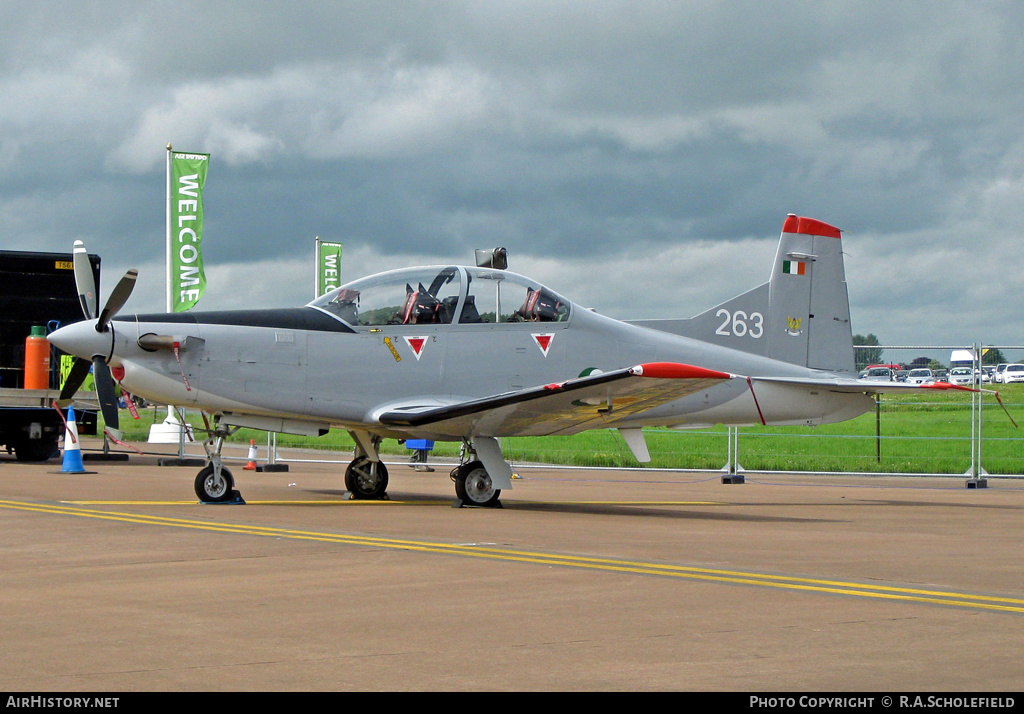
[{"x": 445, "y": 295}]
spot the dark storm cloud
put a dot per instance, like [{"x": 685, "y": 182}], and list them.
[{"x": 650, "y": 137}]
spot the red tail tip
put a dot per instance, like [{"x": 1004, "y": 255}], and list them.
[{"x": 810, "y": 226}]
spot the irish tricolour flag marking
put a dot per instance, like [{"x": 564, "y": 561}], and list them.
[{"x": 794, "y": 267}]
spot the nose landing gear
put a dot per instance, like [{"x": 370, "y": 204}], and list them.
[{"x": 214, "y": 483}]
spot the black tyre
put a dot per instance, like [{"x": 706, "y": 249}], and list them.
[
  {"x": 364, "y": 482},
  {"x": 211, "y": 490},
  {"x": 473, "y": 485},
  {"x": 36, "y": 449}
]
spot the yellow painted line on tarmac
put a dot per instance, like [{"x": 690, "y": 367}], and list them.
[
  {"x": 319, "y": 502},
  {"x": 632, "y": 503},
  {"x": 611, "y": 565},
  {"x": 393, "y": 502}
]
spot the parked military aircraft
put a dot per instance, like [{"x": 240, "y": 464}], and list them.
[{"x": 472, "y": 354}]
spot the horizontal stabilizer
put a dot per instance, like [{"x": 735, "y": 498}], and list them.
[{"x": 854, "y": 386}]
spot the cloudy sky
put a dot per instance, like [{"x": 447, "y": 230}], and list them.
[{"x": 638, "y": 156}]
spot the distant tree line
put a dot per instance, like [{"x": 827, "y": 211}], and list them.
[{"x": 866, "y": 351}]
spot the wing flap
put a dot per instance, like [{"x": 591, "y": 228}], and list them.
[{"x": 560, "y": 408}]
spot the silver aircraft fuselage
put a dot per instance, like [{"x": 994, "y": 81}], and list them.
[{"x": 308, "y": 365}]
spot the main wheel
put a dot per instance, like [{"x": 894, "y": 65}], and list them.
[
  {"x": 473, "y": 485},
  {"x": 211, "y": 489},
  {"x": 364, "y": 482}
]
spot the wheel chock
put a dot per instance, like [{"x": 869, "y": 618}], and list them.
[
  {"x": 459, "y": 503},
  {"x": 235, "y": 500},
  {"x": 349, "y": 496},
  {"x": 271, "y": 468}
]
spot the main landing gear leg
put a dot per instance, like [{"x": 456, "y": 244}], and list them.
[
  {"x": 473, "y": 484},
  {"x": 366, "y": 478},
  {"x": 214, "y": 483}
]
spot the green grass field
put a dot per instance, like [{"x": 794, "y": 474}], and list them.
[{"x": 919, "y": 433}]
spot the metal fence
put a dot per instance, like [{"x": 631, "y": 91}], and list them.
[
  {"x": 954, "y": 438},
  {"x": 972, "y": 435}
]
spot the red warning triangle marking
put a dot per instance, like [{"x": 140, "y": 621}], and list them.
[
  {"x": 416, "y": 345},
  {"x": 543, "y": 341}
]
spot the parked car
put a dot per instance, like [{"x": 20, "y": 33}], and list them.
[
  {"x": 997, "y": 376},
  {"x": 919, "y": 375},
  {"x": 1013, "y": 373},
  {"x": 961, "y": 375},
  {"x": 879, "y": 374}
]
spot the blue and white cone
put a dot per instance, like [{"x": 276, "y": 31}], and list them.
[{"x": 72, "y": 449}]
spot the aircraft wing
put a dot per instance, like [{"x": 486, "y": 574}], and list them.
[{"x": 560, "y": 408}]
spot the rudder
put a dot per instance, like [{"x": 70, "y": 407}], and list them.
[
  {"x": 808, "y": 303},
  {"x": 801, "y": 315}
]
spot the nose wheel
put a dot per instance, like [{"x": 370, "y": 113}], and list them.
[{"x": 212, "y": 487}]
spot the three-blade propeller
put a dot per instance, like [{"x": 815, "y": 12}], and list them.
[{"x": 86, "y": 286}]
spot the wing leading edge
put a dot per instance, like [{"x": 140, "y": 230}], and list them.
[{"x": 560, "y": 408}]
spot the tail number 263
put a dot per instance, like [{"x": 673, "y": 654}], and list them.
[{"x": 740, "y": 324}]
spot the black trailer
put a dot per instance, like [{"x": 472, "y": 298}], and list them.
[{"x": 36, "y": 290}]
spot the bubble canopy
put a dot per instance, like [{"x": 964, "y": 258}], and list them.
[{"x": 442, "y": 295}]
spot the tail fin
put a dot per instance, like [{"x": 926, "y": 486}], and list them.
[{"x": 801, "y": 315}]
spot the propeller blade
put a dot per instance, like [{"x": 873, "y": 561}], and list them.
[
  {"x": 105, "y": 392},
  {"x": 79, "y": 371},
  {"x": 84, "y": 280},
  {"x": 122, "y": 291}
]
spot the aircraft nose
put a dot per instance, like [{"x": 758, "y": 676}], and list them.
[{"x": 82, "y": 340}]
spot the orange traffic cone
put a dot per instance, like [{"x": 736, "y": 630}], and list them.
[{"x": 251, "y": 464}]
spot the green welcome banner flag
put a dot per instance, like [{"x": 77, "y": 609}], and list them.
[
  {"x": 328, "y": 260},
  {"x": 186, "y": 279}
]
